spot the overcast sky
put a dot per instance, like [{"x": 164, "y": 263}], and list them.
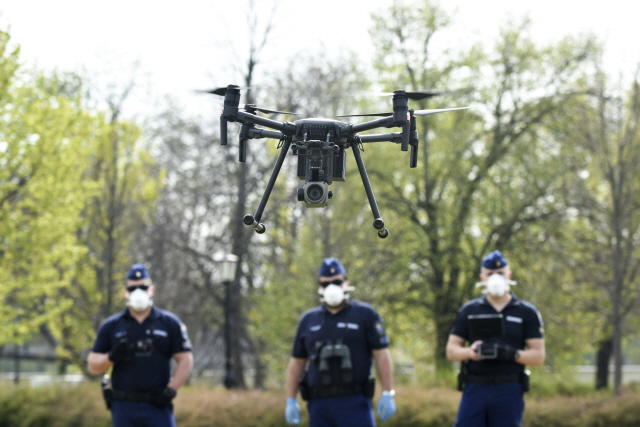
[{"x": 185, "y": 45}]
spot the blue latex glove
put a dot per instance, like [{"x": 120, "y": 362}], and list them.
[
  {"x": 386, "y": 407},
  {"x": 292, "y": 412}
]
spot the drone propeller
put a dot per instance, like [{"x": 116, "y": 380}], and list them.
[
  {"x": 368, "y": 115},
  {"x": 251, "y": 108},
  {"x": 438, "y": 110},
  {"x": 415, "y": 113},
  {"x": 220, "y": 91},
  {"x": 415, "y": 96}
]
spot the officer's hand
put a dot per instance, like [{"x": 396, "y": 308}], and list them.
[
  {"x": 473, "y": 350},
  {"x": 292, "y": 411},
  {"x": 386, "y": 407},
  {"x": 165, "y": 396},
  {"x": 122, "y": 352},
  {"x": 506, "y": 352}
]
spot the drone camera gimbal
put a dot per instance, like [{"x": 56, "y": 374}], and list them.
[
  {"x": 319, "y": 163},
  {"x": 321, "y": 146}
]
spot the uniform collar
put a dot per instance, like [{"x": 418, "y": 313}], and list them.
[
  {"x": 514, "y": 300},
  {"x": 343, "y": 309},
  {"x": 155, "y": 313}
]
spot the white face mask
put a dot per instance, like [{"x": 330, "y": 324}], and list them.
[
  {"x": 139, "y": 300},
  {"x": 333, "y": 295},
  {"x": 497, "y": 285}
]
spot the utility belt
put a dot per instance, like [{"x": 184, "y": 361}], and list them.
[
  {"x": 151, "y": 396},
  {"x": 339, "y": 390},
  {"x": 137, "y": 396},
  {"x": 465, "y": 378}
]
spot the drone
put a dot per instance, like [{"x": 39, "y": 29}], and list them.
[{"x": 321, "y": 146}]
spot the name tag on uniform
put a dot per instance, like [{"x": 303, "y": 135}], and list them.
[
  {"x": 315, "y": 328},
  {"x": 348, "y": 325},
  {"x": 514, "y": 319},
  {"x": 160, "y": 332}
]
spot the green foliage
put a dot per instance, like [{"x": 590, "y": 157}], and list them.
[
  {"x": 53, "y": 406},
  {"x": 195, "y": 407},
  {"x": 64, "y": 173},
  {"x": 484, "y": 178},
  {"x": 45, "y": 137}
]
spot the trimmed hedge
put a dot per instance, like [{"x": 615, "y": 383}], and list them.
[{"x": 199, "y": 407}]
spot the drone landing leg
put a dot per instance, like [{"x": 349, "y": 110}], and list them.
[
  {"x": 378, "y": 223},
  {"x": 254, "y": 220}
]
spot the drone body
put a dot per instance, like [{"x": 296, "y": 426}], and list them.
[{"x": 321, "y": 146}]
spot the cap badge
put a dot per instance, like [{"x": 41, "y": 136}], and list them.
[
  {"x": 498, "y": 263},
  {"x": 138, "y": 274},
  {"x": 333, "y": 270}
]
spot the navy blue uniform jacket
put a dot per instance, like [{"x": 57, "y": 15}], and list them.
[
  {"x": 358, "y": 324},
  {"x": 522, "y": 321},
  {"x": 150, "y": 370}
]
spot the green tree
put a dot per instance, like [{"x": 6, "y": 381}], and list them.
[
  {"x": 483, "y": 176},
  {"x": 605, "y": 195},
  {"x": 45, "y": 139}
]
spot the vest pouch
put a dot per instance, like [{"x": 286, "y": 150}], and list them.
[
  {"x": 462, "y": 376},
  {"x": 370, "y": 388},
  {"x": 107, "y": 391},
  {"x": 524, "y": 380},
  {"x": 304, "y": 387}
]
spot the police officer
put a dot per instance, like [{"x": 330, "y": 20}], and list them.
[
  {"x": 332, "y": 356},
  {"x": 139, "y": 343},
  {"x": 493, "y": 387}
]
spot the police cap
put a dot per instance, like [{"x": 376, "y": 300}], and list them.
[
  {"x": 138, "y": 272},
  {"x": 331, "y": 267},
  {"x": 494, "y": 261}
]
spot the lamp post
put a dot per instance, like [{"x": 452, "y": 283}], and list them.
[{"x": 227, "y": 272}]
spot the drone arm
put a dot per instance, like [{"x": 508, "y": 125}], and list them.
[
  {"x": 391, "y": 137},
  {"x": 379, "y": 123},
  {"x": 262, "y": 133},
  {"x": 286, "y": 128}
]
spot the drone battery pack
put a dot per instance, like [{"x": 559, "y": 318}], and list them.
[{"x": 340, "y": 165}]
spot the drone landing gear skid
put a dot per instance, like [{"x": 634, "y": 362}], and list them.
[
  {"x": 254, "y": 220},
  {"x": 378, "y": 223}
]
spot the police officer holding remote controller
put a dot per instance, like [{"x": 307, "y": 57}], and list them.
[
  {"x": 493, "y": 377},
  {"x": 332, "y": 357}
]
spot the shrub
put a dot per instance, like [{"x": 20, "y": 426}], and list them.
[{"x": 82, "y": 405}]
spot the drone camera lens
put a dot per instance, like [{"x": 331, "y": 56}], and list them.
[{"x": 315, "y": 193}]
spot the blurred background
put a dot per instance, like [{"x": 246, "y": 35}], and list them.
[{"x": 109, "y": 156}]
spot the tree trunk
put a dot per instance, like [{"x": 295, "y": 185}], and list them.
[
  {"x": 259, "y": 366},
  {"x": 603, "y": 356},
  {"x": 444, "y": 318}
]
